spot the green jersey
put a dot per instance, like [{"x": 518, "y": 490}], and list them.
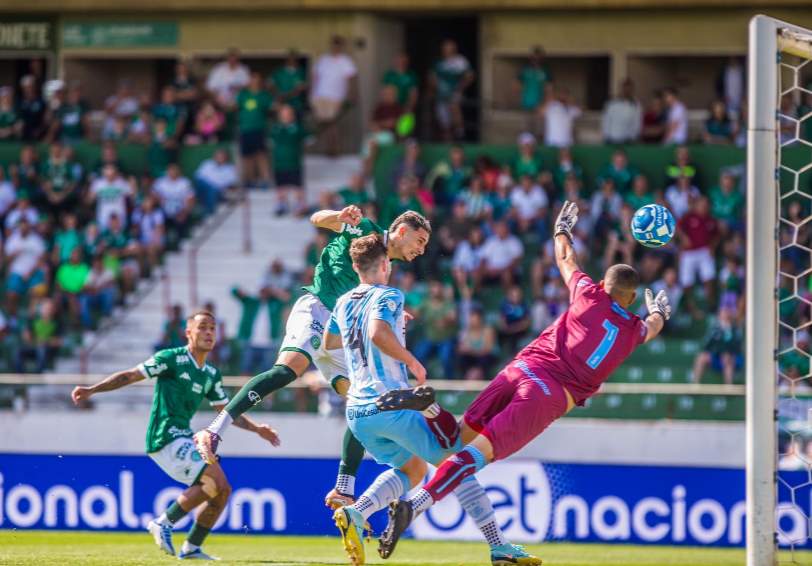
[
  {"x": 180, "y": 386},
  {"x": 252, "y": 110},
  {"x": 404, "y": 82},
  {"x": 334, "y": 274}
]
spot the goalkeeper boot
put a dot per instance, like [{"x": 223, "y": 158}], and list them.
[
  {"x": 351, "y": 525},
  {"x": 508, "y": 554},
  {"x": 206, "y": 443},
  {"x": 417, "y": 399}
]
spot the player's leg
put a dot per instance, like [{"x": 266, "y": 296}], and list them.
[
  {"x": 367, "y": 425},
  {"x": 302, "y": 340},
  {"x": 442, "y": 423},
  {"x": 332, "y": 365},
  {"x": 218, "y": 490},
  {"x": 180, "y": 461}
]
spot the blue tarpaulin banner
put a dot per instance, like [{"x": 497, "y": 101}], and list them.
[{"x": 534, "y": 501}]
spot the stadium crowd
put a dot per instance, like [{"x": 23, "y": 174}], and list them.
[{"x": 77, "y": 238}]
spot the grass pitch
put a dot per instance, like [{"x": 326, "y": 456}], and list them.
[{"x": 40, "y": 548}]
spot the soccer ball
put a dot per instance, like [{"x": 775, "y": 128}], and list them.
[{"x": 653, "y": 225}]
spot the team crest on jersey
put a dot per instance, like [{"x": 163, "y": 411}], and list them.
[
  {"x": 391, "y": 305},
  {"x": 197, "y": 388},
  {"x": 254, "y": 397},
  {"x": 315, "y": 341},
  {"x": 185, "y": 375},
  {"x": 182, "y": 359}
]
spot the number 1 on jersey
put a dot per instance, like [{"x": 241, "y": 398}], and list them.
[{"x": 603, "y": 348}]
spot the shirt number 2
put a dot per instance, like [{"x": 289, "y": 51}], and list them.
[{"x": 603, "y": 348}]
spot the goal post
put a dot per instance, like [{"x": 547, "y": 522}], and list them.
[{"x": 778, "y": 53}]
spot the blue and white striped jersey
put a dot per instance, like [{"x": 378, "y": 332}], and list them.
[{"x": 372, "y": 372}]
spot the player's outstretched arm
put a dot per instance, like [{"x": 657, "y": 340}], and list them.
[
  {"x": 565, "y": 258},
  {"x": 118, "y": 380},
  {"x": 335, "y": 219},
  {"x": 384, "y": 338},
  {"x": 659, "y": 310},
  {"x": 246, "y": 423}
]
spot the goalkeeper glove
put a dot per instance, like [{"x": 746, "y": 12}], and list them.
[
  {"x": 659, "y": 304},
  {"x": 566, "y": 219}
]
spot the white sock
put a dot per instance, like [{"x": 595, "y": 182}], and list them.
[
  {"x": 386, "y": 488},
  {"x": 188, "y": 547},
  {"x": 421, "y": 501},
  {"x": 164, "y": 520},
  {"x": 345, "y": 484},
  {"x": 475, "y": 501},
  {"x": 220, "y": 423}
]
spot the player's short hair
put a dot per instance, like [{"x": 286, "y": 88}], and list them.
[
  {"x": 622, "y": 277},
  {"x": 413, "y": 220},
  {"x": 367, "y": 251},
  {"x": 200, "y": 312}
]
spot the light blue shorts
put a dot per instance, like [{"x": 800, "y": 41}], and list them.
[{"x": 393, "y": 437}]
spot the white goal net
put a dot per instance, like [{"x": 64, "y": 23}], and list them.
[{"x": 779, "y": 301}]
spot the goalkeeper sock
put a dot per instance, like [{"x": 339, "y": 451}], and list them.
[
  {"x": 453, "y": 471},
  {"x": 386, "y": 488},
  {"x": 443, "y": 425},
  {"x": 352, "y": 452},
  {"x": 256, "y": 390}
]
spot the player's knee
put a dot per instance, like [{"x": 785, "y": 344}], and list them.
[
  {"x": 224, "y": 491},
  {"x": 415, "y": 469}
]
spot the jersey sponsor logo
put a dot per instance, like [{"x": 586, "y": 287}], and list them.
[
  {"x": 176, "y": 432},
  {"x": 353, "y": 230},
  {"x": 317, "y": 327},
  {"x": 525, "y": 369},
  {"x": 182, "y": 359},
  {"x": 185, "y": 375},
  {"x": 254, "y": 397},
  {"x": 582, "y": 283},
  {"x": 197, "y": 388},
  {"x": 156, "y": 370}
]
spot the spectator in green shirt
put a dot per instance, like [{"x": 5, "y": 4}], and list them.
[
  {"x": 288, "y": 138},
  {"x": 172, "y": 112},
  {"x": 121, "y": 253},
  {"x": 253, "y": 105},
  {"x": 722, "y": 349},
  {"x": 174, "y": 331},
  {"x": 42, "y": 337},
  {"x": 61, "y": 177},
  {"x": 620, "y": 171},
  {"x": 437, "y": 317},
  {"x": 640, "y": 194},
  {"x": 533, "y": 84},
  {"x": 449, "y": 177},
  {"x": 354, "y": 192},
  {"x": 72, "y": 122},
  {"x": 565, "y": 167},
  {"x": 11, "y": 124},
  {"x": 288, "y": 84},
  {"x": 70, "y": 281},
  {"x": 727, "y": 203},
  {"x": 404, "y": 80},
  {"x": 527, "y": 162},
  {"x": 67, "y": 239},
  {"x": 450, "y": 78},
  {"x": 404, "y": 199},
  {"x": 719, "y": 128}
]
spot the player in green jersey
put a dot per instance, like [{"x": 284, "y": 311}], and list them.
[
  {"x": 406, "y": 239},
  {"x": 182, "y": 380}
]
